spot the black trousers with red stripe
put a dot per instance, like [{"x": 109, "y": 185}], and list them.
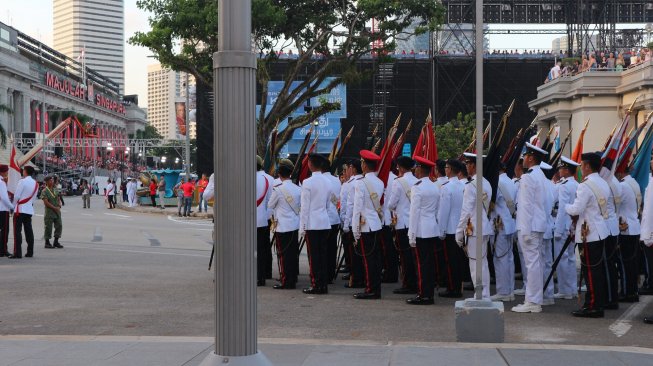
[
  {"x": 4, "y": 232},
  {"x": 23, "y": 221},
  {"x": 356, "y": 273},
  {"x": 455, "y": 261},
  {"x": 316, "y": 246},
  {"x": 440, "y": 262},
  {"x": 594, "y": 275},
  {"x": 629, "y": 257},
  {"x": 390, "y": 257},
  {"x": 406, "y": 260},
  {"x": 370, "y": 249},
  {"x": 425, "y": 258},
  {"x": 332, "y": 251},
  {"x": 611, "y": 262},
  {"x": 288, "y": 256}
]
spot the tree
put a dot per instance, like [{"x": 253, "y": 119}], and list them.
[
  {"x": 184, "y": 37},
  {"x": 454, "y": 136},
  {"x": 149, "y": 132}
]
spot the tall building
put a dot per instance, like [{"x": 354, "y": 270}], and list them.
[
  {"x": 98, "y": 27},
  {"x": 163, "y": 90}
]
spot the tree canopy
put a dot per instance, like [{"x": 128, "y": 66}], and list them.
[
  {"x": 453, "y": 136},
  {"x": 184, "y": 36}
]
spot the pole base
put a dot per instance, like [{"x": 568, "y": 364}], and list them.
[
  {"x": 479, "y": 321},
  {"x": 257, "y": 359}
]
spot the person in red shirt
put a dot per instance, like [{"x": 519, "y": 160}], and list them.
[
  {"x": 201, "y": 186},
  {"x": 153, "y": 191},
  {"x": 188, "y": 187}
]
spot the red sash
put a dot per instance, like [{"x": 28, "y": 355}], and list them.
[
  {"x": 25, "y": 200},
  {"x": 260, "y": 200}
]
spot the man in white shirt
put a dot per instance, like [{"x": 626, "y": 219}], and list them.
[
  {"x": 504, "y": 228},
  {"x": 451, "y": 201},
  {"x": 399, "y": 204},
  {"x": 390, "y": 256},
  {"x": 566, "y": 271},
  {"x": 5, "y": 208},
  {"x": 590, "y": 213},
  {"x": 284, "y": 202},
  {"x": 532, "y": 221},
  {"x": 367, "y": 220},
  {"x": 263, "y": 245},
  {"x": 646, "y": 236},
  {"x": 314, "y": 224},
  {"x": 629, "y": 227},
  {"x": 611, "y": 258},
  {"x": 356, "y": 273},
  {"x": 425, "y": 197},
  {"x": 334, "y": 218},
  {"x": 131, "y": 192},
  {"x": 440, "y": 262},
  {"x": 23, "y": 202}
]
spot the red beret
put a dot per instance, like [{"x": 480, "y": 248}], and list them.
[
  {"x": 424, "y": 162},
  {"x": 368, "y": 155},
  {"x": 4, "y": 168}
]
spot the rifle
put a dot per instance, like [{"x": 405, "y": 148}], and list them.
[{"x": 557, "y": 261}]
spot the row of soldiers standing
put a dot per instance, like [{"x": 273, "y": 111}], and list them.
[{"x": 421, "y": 231}]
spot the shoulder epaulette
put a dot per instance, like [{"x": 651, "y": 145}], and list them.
[
  {"x": 517, "y": 180},
  {"x": 468, "y": 182},
  {"x": 528, "y": 171},
  {"x": 278, "y": 185},
  {"x": 584, "y": 180},
  {"x": 445, "y": 183},
  {"x": 396, "y": 178},
  {"x": 622, "y": 179},
  {"x": 418, "y": 182},
  {"x": 359, "y": 178},
  {"x": 564, "y": 181}
]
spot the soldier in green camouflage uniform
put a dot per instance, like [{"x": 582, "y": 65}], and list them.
[{"x": 50, "y": 197}]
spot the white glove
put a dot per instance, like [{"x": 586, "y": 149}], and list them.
[
  {"x": 345, "y": 229},
  {"x": 412, "y": 243},
  {"x": 460, "y": 239},
  {"x": 357, "y": 235}
]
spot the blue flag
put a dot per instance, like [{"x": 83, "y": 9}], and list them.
[{"x": 641, "y": 166}]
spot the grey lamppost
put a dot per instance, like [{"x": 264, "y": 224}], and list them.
[{"x": 234, "y": 69}]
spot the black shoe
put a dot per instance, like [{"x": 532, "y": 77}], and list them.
[
  {"x": 56, "y": 244},
  {"x": 316, "y": 290},
  {"x": 645, "y": 291},
  {"x": 367, "y": 296},
  {"x": 418, "y": 300},
  {"x": 355, "y": 285},
  {"x": 612, "y": 306},
  {"x": 287, "y": 286},
  {"x": 587, "y": 313},
  {"x": 29, "y": 255},
  {"x": 346, "y": 277},
  {"x": 450, "y": 294},
  {"x": 648, "y": 320},
  {"x": 404, "y": 291},
  {"x": 15, "y": 256},
  {"x": 47, "y": 244},
  {"x": 344, "y": 269},
  {"x": 260, "y": 283},
  {"x": 629, "y": 298}
]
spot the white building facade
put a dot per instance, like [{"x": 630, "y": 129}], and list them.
[
  {"x": 163, "y": 90},
  {"x": 97, "y": 27}
]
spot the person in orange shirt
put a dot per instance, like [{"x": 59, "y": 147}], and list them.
[
  {"x": 201, "y": 186},
  {"x": 188, "y": 187}
]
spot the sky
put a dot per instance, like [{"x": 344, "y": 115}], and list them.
[{"x": 34, "y": 17}]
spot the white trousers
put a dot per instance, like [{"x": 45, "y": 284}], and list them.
[
  {"x": 567, "y": 274},
  {"x": 546, "y": 253},
  {"x": 471, "y": 252},
  {"x": 531, "y": 248},
  {"x": 524, "y": 272},
  {"x": 504, "y": 265},
  {"x": 131, "y": 197}
]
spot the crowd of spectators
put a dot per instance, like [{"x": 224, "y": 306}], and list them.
[
  {"x": 84, "y": 166},
  {"x": 599, "y": 61}
]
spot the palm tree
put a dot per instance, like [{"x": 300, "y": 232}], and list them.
[{"x": 3, "y": 133}]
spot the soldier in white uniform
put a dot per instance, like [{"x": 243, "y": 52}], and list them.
[
  {"x": 23, "y": 202},
  {"x": 424, "y": 200},
  {"x": 504, "y": 228},
  {"x": 590, "y": 213},
  {"x": 334, "y": 218},
  {"x": 518, "y": 172},
  {"x": 284, "y": 202},
  {"x": 546, "y": 250},
  {"x": 631, "y": 201},
  {"x": 390, "y": 256},
  {"x": 5, "y": 208},
  {"x": 314, "y": 224},
  {"x": 346, "y": 233},
  {"x": 646, "y": 235},
  {"x": 611, "y": 256},
  {"x": 367, "y": 220},
  {"x": 466, "y": 231},
  {"x": 531, "y": 224},
  {"x": 263, "y": 249},
  {"x": 399, "y": 204},
  {"x": 451, "y": 202},
  {"x": 356, "y": 273},
  {"x": 440, "y": 262},
  {"x": 566, "y": 270}
]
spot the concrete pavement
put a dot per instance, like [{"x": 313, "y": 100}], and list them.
[{"x": 190, "y": 351}]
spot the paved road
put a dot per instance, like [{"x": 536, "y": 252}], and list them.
[{"x": 132, "y": 274}]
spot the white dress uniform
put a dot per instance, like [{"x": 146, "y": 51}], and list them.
[
  {"x": 504, "y": 224},
  {"x": 468, "y": 213},
  {"x": 520, "y": 252},
  {"x": 23, "y": 202},
  {"x": 611, "y": 257},
  {"x": 314, "y": 224},
  {"x": 546, "y": 250},
  {"x": 422, "y": 233},
  {"x": 387, "y": 196},
  {"x": 284, "y": 203},
  {"x": 631, "y": 199},
  {"x": 532, "y": 222},
  {"x": 451, "y": 203},
  {"x": 399, "y": 201},
  {"x": 332, "y": 208},
  {"x": 344, "y": 196},
  {"x": 567, "y": 273},
  {"x": 646, "y": 228},
  {"x": 349, "y": 207},
  {"x": 263, "y": 192},
  {"x": 209, "y": 191}
]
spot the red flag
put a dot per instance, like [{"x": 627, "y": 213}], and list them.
[
  {"x": 303, "y": 174},
  {"x": 419, "y": 146}
]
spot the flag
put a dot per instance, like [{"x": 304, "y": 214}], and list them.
[
  {"x": 611, "y": 152},
  {"x": 304, "y": 171},
  {"x": 641, "y": 170},
  {"x": 419, "y": 146},
  {"x": 14, "y": 173},
  {"x": 578, "y": 150}
]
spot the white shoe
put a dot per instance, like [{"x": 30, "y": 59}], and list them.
[
  {"x": 527, "y": 307},
  {"x": 563, "y": 296},
  {"x": 520, "y": 292},
  {"x": 499, "y": 297},
  {"x": 548, "y": 302}
]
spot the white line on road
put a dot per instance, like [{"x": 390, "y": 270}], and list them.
[
  {"x": 85, "y": 214},
  {"x": 39, "y": 215},
  {"x": 198, "y": 222},
  {"x": 112, "y": 214},
  {"x": 622, "y": 325},
  {"x": 138, "y": 251}
]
